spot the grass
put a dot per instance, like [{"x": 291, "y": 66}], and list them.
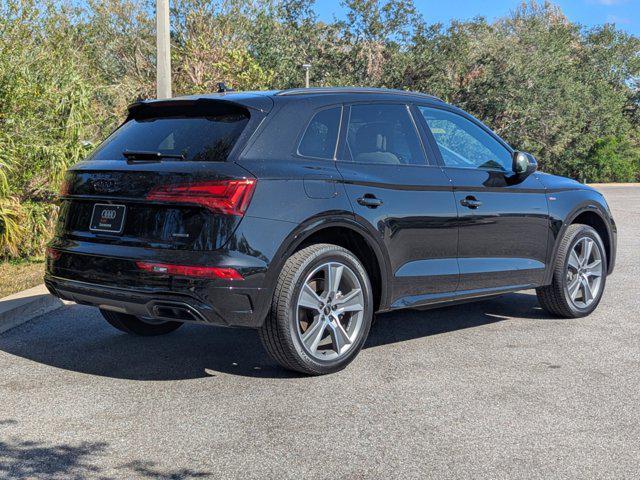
[{"x": 20, "y": 275}]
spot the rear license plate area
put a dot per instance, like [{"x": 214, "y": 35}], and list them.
[{"x": 107, "y": 218}]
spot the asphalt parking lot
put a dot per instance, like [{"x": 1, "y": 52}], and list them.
[{"x": 495, "y": 389}]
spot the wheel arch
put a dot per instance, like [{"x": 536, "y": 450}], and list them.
[
  {"x": 597, "y": 222},
  {"x": 345, "y": 232},
  {"x": 592, "y": 215}
]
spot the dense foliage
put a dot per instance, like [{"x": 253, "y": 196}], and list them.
[{"x": 568, "y": 94}]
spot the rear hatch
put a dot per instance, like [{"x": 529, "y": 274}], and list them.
[{"x": 164, "y": 180}]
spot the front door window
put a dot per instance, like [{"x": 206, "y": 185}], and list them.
[{"x": 463, "y": 144}]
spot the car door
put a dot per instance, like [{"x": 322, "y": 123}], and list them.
[
  {"x": 504, "y": 224},
  {"x": 405, "y": 199}
]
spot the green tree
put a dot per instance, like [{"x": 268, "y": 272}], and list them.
[
  {"x": 376, "y": 33},
  {"x": 534, "y": 77},
  {"x": 612, "y": 159},
  {"x": 210, "y": 45},
  {"x": 45, "y": 114}
]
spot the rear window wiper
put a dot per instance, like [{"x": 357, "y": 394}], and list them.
[{"x": 149, "y": 156}]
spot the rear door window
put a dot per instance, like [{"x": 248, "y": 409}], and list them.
[
  {"x": 384, "y": 134},
  {"x": 195, "y": 138},
  {"x": 320, "y": 137}
]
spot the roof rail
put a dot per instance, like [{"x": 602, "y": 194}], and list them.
[{"x": 334, "y": 90}]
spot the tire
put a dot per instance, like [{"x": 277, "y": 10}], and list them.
[
  {"x": 556, "y": 297},
  {"x": 294, "y": 334},
  {"x": 135, "y": 326}
]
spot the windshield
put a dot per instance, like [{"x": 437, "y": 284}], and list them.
[{"x": 198, "y": 139}]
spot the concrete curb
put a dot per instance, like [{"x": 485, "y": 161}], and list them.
[
  {"x": 614, "y": 185},
  {"x": 21, "y": 307}
]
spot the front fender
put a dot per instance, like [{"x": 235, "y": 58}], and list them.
[{"x": 564, "y": 208}]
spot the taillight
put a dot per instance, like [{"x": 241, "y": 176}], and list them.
[
  {"x": 229, "y": 197},
  {"x": 53, "y": 254},
  {"x": 65, "y": 187},
  {"x": 190, "y": 271}
]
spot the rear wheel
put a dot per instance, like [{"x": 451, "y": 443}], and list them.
[
  {"x": 579, "y": 274},
  {"x": 321, "y": 311},
  {"x": 137, "y": 326}
]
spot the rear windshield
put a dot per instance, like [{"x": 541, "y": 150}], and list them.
[{"x": 198, "y": 139}]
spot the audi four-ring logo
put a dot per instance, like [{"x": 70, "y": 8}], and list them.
[
  {"x": 108, "y": 214},
  {"x": 104, "y": 185}
]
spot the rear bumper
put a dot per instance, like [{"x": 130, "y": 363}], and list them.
[
  {"x": 103, "y": 272},
  {"x": 226, "y": 306}
]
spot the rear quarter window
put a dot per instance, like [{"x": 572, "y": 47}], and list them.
[
  {"x": 321, "y": 135},
  {"x": 197, "y": 138}
]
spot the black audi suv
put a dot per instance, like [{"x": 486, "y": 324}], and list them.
[{"x": 300, "y": 213}]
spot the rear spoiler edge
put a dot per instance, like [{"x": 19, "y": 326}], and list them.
[{"x": 137, "y": 107}]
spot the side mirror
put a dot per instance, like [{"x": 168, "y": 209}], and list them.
[{"x": 524, "y": 164}]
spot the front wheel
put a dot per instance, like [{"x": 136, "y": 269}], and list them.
[
  {"x": 579, "y": 276},
  {"x": 321, "y": 311}
]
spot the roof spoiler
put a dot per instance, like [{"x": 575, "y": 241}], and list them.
[{"x": 199, "y": 105}]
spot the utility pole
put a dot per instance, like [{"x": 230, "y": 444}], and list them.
[
  {"x": 307, "y": 67},
  {"x": 163, "y": 67}
]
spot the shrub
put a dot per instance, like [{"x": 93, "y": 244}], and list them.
[{"x": 611, "y": 159}]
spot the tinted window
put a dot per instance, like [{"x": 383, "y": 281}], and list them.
[
  {"x": 383, "y": 134},
  {"x": 320, "y": 137},
  {"x": 208, "y": 138},
  {"x": 462, "y": 143}
]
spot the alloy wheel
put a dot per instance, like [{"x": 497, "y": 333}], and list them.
[
  {"x": 584, "y": 272},
  {"x": 330, "y": 311}
]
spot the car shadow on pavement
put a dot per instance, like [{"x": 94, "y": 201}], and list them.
[
  {"x": 21, "y": 458},
  {"x": 404, "y": 325},
  {"x": 77, "y": 338}
]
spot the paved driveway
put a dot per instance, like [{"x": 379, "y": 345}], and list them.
[{"x": 495, "y": 389}]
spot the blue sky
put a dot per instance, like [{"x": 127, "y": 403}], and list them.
[{"x": 624, "y": 13}]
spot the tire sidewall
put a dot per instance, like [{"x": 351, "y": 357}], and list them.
[
  {"x": 589, "y": 232},
  {"x": 344, "y": 257}
]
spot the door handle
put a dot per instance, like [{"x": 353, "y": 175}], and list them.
[
  {"x": 369, "y": 201},
  {"x": 470, "y": 202}
]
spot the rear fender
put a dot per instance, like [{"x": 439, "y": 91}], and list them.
[{"x": 310, "y": 227}]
